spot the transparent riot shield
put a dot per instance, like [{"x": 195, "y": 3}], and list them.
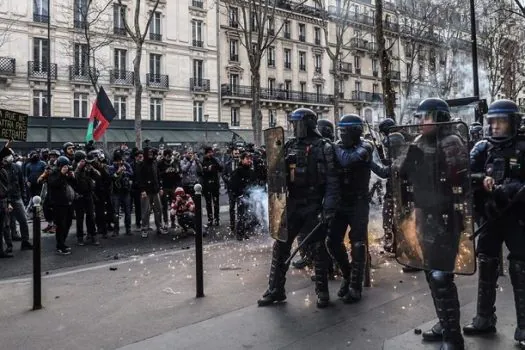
[
  {"x": 432, "y": 197},
  {"x": 277, "y": 191}
]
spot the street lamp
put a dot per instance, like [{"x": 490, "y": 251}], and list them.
[
  {"x": 206, "y": 117},
  {"x": 473, "y": 36},
  {"x": 48, "y": 74}
]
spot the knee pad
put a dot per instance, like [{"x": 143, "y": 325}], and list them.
[
  {"x": 440, "y": 278},
  {"x": 358, "y": 250}
]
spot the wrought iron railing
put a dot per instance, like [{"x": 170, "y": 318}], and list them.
[
  {"x": 228, "y": 90},
  {"x": 121, "y": 77},
  {"x": 197, "y": 43},
  {"x": 158, "y": 81},
  {"x": 365, "y": 96},
  {"x": 155, "y": 36},
  {"x": 79, "y": 24},
  {"x": 197, "y": 3},
  {"x": 38, "y": 70},
  {"x": 7, "y": 66},
  {"x": 359, "y": 43},
  {"x": 82, "y": 73},
  {"x": 199, "y": 85},
  {"x": 40, "y": 18}
]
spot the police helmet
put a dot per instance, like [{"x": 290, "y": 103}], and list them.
[
  {"x": 386, "y": 124},
  {"x": 326, "y": 128},
  {"x": 507, "y": 112},
  {"x": 350, "y": 129},
  {"x": 303, "y": 120},
  {"x": 62, "y": 161},
  {"x": 434, "y": 108},
  {"x": 80, "y": 155}
]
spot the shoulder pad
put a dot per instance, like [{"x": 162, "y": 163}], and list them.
[
  {"x": 482, "y": 145},
  {"x": 418, "y": 137},
  {"x": 368, "y": 145}
]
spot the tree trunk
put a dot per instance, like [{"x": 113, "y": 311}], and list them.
[
  {"x": 138, "y": 97},
  {"x": 256, "y": 107},
  {"x": 337, "y": 76},
  {"x": 389, "y": 96}
]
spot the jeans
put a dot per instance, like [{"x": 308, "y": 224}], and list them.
[
  {"x": 18, "y": 214},
  {"x": 84, "y": 205},
  {"x": 151, "y": 201},
  {"x": 121, "y": 200},
  {"x": 212, "y": 201}
]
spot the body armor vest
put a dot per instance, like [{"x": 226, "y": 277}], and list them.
[
  {"x": 354, "y": 181},
  {"x": 306, "y": 168},
  {"x": 506, "y": 162}
]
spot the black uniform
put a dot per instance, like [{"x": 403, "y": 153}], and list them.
[
  {"x": 242, "y": 178},
  {"x": 230, "y": 164},
  {"x": 313, "y": 190},
  {"x": 502, "y": 159},
  {"x": 170, "y": 179}
]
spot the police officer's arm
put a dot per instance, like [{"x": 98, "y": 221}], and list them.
[
  {"x": 478, "y": 156},
  {"x": 331, "y": 195},
  {"x": 361, "y": 153},
  {"x": 377, "y": 166}
]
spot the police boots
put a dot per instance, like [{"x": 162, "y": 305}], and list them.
[
  {"x": 485, "y": 320},
  {"x": 321, "y": 274},
  {"x": 517, "y": 277},
  {"x": 275, "y": 292},
  {"x": 357, "y": 273},
  {"x": 447, "y": 308}
]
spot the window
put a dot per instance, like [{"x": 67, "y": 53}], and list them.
[
  {"x": 119, "y": 13},
  {"x": 155, "y": 109},
  {"x": 287, "y": 88},
  {"x": 286, "y": 29},
  {"x": 121, "y": 106},
  {"x": 271, "y": 85},
  {"x": 271, "y": 56},
  {"x": 198, "y": 111},
  {"x": 271, "y": 26},
  {"x": 302, "y": 60},
  {"x": 154, "y": 29},
  {"x": 357, "y": 62},
  {"x": 234, "y": 83},
  {"x": 80, "y": 60},
  {"x": 40, "y": 104},
  {"x": 40, "y": 55},
  {"x": 253, "y": 22},
  {"x": 235, "y": 116},
  {"x": 154, "y": 68},
  {"x": 80, "y": 14},
  {"x": 375, "y": 88},
  {"x": 80, "y": 105},
  {"x": 287, "y": 58},
  {"x": 341, "y": 111},
  {"x": 421, "y": 71},
  {"x": 196, "y": 29},
  {"x": 302, "y": 87},
  {"x": 374, "y": 66},
  {"x": 272, "y": 120},
  {"x": 234, "y": 50},
  {"x": 317, "y": 32},
  {"x": 198, "y": 70},
  {"x": 357, "y": 86},
  {"x": 233, "y": 14},
  {"x": 318, "y": 63},
  {"x": 302, "y": 32},
  {"x": 120, "y": 62},
  {"x": 318, "y": 92},
  {"x": 40, "y": 13}
]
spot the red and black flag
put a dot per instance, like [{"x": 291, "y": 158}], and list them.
[{"x": 102, "y": 113}]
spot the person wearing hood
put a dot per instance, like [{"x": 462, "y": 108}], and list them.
[
  {"x": 136, "y": 160},
  {"x": 34, "y": 168},
  {"x": 211, "y": 185},
  {"x": 149, "y": 187},
  {"x": 170, "y": 179},
  {"x": 121, "y": 175}
]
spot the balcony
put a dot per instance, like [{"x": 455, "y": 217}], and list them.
[
  {"x": 228, "y": 90},
  {"x": 119, "y": 31},
  {"x": 197, "y": 4},
  {"x": 287, "y": 64},
  {"x": 299, "y": 7},
  {"x": 82, "y": 74},
  {"x": 79, "y": 24},
  {"x": 345, "y": 67},
  {"x": 287, "y": 35},
  {"x": 158, "y": 81},
  {"x": 234, "y": 58},
  {"x": 7, "y": 66},
  {"x": 199, "y": 85},
  {"x": 40, "y": 18},
  {"x": 271, "y": 63},
  {"x": 233, "y": 23},
  {"x": 121, "y": 77},
  {"x": 155, "y": 36},
  {"x": 358, "y": 43},
  {"x": 302, "y": 38},
  {"x": 363, "y": 96},
  {"x": 197, "y": 43},
  {"x": 394, "y": 75},
  {"x": 317, "y": 41},
  {"x": 38, "y": 70},
  {"x": 390, "y": 26},
  {"x": 361, "y": 18}
]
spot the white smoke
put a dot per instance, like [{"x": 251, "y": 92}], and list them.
[{"x": 256, "y": 200}]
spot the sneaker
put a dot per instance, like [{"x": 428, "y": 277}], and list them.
[
  {"x": 17, "y": 237},
  {"x": 26, "y": 246},
  {"x": 9, "y": 250},
  {"x": 162, "y": 231},
  {"x": 67, "y": 248},
  {"x": 144, "y": 234},
  {"x": 80, "y": 242},
  {"x": 52, "y": 230},
  {"x": 63, "y": 252}
]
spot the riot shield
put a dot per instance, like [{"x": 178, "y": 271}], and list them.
[
  {"x": 432, "y": 198},
  {"x": 277, "y": 191}
]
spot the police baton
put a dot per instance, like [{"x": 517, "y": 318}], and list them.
[{"x": 304, "y": 241}]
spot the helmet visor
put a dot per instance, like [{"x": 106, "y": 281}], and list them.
[
  {"x": 500, "y": 126},
  {"x": 300, "y": 129}
]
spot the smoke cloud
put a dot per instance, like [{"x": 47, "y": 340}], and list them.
[{"x": 257, "y": 202}]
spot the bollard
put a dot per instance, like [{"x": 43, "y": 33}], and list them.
[
  {"x": 198, "y": 241},
  {"x": 37, "y": 269}
]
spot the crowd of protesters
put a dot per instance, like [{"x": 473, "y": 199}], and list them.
[{"x": 95, "y": 189}]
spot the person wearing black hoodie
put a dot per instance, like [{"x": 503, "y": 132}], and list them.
[
  {"x": 4, "y": 197},
  {"x": 211, "y": 185},
  {"x": 242, "y": 179},
  {"x": 170, "y": 179},
  {"x": 149, "y": 187}
]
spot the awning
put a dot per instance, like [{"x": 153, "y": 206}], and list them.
[{"x": 247, "y": 135}]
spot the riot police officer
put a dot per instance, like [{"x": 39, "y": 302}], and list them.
[
  {"x": 434, "y": 167},
  {"x": 498, "y": 170},
  {"x": 312, "y": 192},
  {"x": 326, "y": 128},
  {"x": 354, "y": 158},
  {"x": 476, "y": 133}
]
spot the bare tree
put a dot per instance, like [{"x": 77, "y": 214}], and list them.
[
  {"x": 6, "y": 28},
  {"x": 138, "y": 35},
  {"x": 253, "y": 22},
  {"x": 336, "y": 25},
  {"x": 521, "y": 8},
  {"x": 93, "y": 24},
  {"x": 385, "y": 60}
]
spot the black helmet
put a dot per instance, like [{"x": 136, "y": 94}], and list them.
[
  {"x": 326, "y": 128},
  {"x": 79, "y": 155},
  {"x": 54, "y": 152},
  {"x": 436, "y": 108},
  {"x": 93, "y": 155},
  {"x": 350, "y": 129},
  {"x": 303, "y": 120},
  {"x": 386, "y": 124},
  {"x": 61, "y": 161},
  {"x": 503, "y": 110},
  {"x": 67, "y": 145}
]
